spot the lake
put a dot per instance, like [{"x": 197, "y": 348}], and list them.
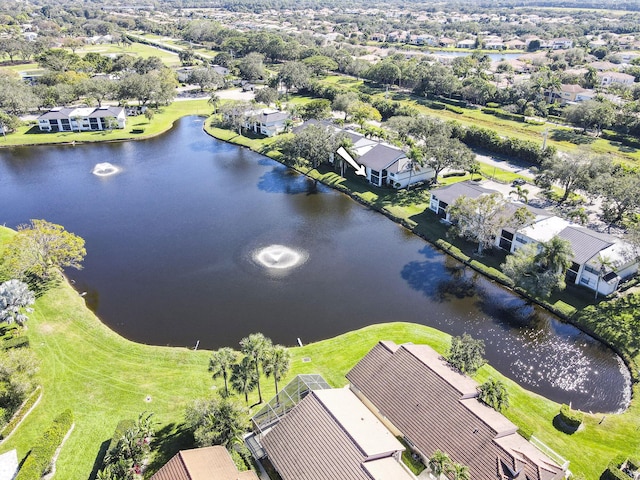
[{"x": 194, "y": 239}]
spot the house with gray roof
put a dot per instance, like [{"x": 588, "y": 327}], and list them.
[
  {"x": 441, "y": 198},
  {"x": 268, "y": 122},
  {"x": 420, "y": 397},
  {"x": 389, "y": 165},
  {"x": 77, "y": 119},
  {"x": 599, "y": 262}
]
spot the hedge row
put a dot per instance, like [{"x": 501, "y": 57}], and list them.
[
  {"x": 15, "y": 342},
  {"x": 41, "y": 455},
  {"x": 449, "y": 101},
  {"x": 20, "y": 414},
  {"x": 526, "y": 432},
  {"x": 571, "y": 418},
  {"x": 511, "y": 147},
  {"x": 502, "y": 114}
]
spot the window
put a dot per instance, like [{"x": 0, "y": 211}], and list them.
[
  {"x": 94, "y": 124},
  {"x": 65, "y": 124},
  {"x": 521, "y": 239},
  {"x": 375, "y": 177},
  {"x": 585, "y": 281},
  {"x": 590, "y": 269}
]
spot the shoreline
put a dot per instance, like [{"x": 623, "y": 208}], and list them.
[{"x": 446, "y": 248}]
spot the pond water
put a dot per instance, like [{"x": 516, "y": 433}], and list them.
[{"x": 190, "y": 238}]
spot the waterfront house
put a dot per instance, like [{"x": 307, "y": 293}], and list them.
[
  {"x": 76, "y": 119},
  {"x": 417, "y": 395},
  {"x": 268, "y": 122},
  {"x": 389, "y": 165},
  {"x": 330, "y": 434},
  {"x": 441, "y": 198}
]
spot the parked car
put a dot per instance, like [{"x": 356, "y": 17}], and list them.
[{"x": 518, "y": 181}]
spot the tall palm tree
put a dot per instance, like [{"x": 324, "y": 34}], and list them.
[
  {"x": 459, "y": 472},
  {"x": 254, "y": 347},
  {"x": 556, "y": 255},
  {"x": 243, "y": 377},
  {"x": 439, "y": 463},
  {"x": 214, "y": 101},
  {"x": 494, "y": 394},
  {"x": 220, "y": 365},
  {"x": 276, "y": 362},
  {"x": 521, "y": 193},
  {"x": 605, "y": 263}
]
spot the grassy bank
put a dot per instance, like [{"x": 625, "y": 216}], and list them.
[{"x": 137, "y": 128}]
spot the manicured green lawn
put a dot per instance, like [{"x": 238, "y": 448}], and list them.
[
  {"x": 135, "y": 49},
  {"x": 137, "y": 127},
  {"x": 104, "y": 378}
]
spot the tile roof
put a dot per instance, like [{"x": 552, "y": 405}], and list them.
[
  {"x": 330, "y": 435},
  {"x": 209, "y": 463},
  {"x": 433, "y": 406}
]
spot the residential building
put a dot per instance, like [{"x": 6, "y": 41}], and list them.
[
  {"x": 515, "y": 44},
  {"x": 469, "y": 43},
  {"x": 561, "y": 43},
  {"x": 417, "y": 395},
  {"x": 389, "y": 165},
  {"x": 268, "y": 122},
  {"x": 441, "y": 198},
  {"x": 330, "y": 435},
  {"x": 607, "y": 78},
  {"x": 78, "y": 119},
  {"x": 599, "y": 262},
  {"x": 208, "y": 463},
  {"x": 378, "y": 37},
  {"x": 446, "y": 42},
  {"x": 571, "y": 93}
]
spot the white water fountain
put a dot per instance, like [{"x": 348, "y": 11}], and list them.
[
  {"x": 105, "y": 169},
  {"x": 279, "y": 257}
]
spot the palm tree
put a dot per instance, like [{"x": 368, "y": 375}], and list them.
[
  {"x": 521, "y": 193},
  {"x": 494, "y": 394},
  {"x": 605, "y": 263},
  {"x": 556, "y": 255},
  {"x": 276, "y": 362},
  {"x": 459, "y": 472},
  {"x": 474, "y": 169},
  {"x": 439, "y": 463},
  {"x": 254, "y": 347},
  {"x": 220, "y": 365},
  {"x": 214, "y": 101},
  {"x": 243, "y": 377}
]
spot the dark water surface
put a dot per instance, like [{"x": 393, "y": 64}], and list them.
[{"x": 173, "y": 239}]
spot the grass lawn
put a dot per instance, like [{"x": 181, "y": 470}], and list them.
[
  {"x": 135, "y": 49},
  {"x": 559, "y": 136},
  {"x": 104, "y": 378},
  {"x": 137, "y": 127}
]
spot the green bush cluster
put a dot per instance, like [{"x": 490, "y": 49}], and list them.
[
  {"x": 502, "y": 114},
  {"x": 526, "y": 432},
  {"x": 626, "y": 140},
  {"x": 17, "y": 418},
  {"x": 41, "y": 455},
  {"x": 490, "y": 272},
  {"x": 437, "y": 105},
  {"x": 15, "y": 342},
  {"x": 121, "y": 429},
  {"x": 614, "y": 472},
  {"x": 390, "y": 108},
  {"x": 454, "y": 109},
  {"x": 571, "y": 418},
  {"x": 511, "y": 147}
]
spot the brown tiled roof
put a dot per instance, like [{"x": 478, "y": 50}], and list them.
[
  {"x": 308, "y": 444},
  {"x": 431, "y": 404},
  {"x": 209, "y": 463}
]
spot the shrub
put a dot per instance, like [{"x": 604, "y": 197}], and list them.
[
  {"x": 454, "y": 174},
  {"x": 15, "y": 342},
  {"x": 526, "y": 432},
  {"x": 493, "y": 105},
  {"x": 121, "y": 428},
  {"x": 571, "y": 418},
  {"x": 454, "y": 109},
  {"x": 19, "y": 415},
  {"x": 41, "y": 455},
  {"x": 502, "y": 114},
  {"x": 438, "y": 106}
]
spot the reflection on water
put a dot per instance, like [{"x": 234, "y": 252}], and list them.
[{"x": 176, "y": 254}]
